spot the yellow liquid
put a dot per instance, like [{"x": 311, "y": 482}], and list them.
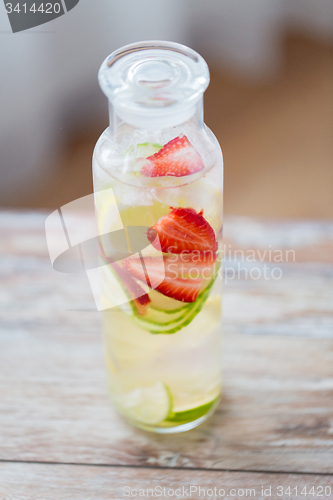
[{"x": 187, "y": 363}]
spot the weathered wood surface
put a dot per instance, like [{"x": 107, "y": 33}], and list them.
[
  {"x": 276, "y": 413},
  {"x": 277, "y": 409},
  {"x": 69, "y": 482}
]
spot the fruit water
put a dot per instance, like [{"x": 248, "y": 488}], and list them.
[{"x": 158, "y": 194}]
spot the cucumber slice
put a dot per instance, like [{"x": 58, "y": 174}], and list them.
[
  {"x": 186, "y": 320},
  {"x": 160, "y": 302},
  {"x": 180, "y": 321},
  {"x": 161, "y": 319},
  {"x": 165, "y": 322}
]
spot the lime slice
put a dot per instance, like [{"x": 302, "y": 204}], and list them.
[
  {"x": 146, "y": 149},
  {"x": 136, "y": 156},
  {"x": 148, "y": 405},
  {"x": 182, "y": 417}
]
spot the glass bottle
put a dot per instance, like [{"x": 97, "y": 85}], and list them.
[{"x": 157, "y": 174}]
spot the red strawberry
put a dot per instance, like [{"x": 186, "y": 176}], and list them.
[
  {"x": 183, "y": 230},
  {"x": 139, "y": 296},
  {"x": 177, "y": 158},
  {"x": 179, "y": 289},
  {"x": 185, "y": 290},
  {"x": 186, "y": 266}
]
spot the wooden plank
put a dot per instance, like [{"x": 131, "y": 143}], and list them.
[
  {"x": 65, "y": 482},
  {"x": 276, "y": 414},
  {"x": 293, "y": 295}
]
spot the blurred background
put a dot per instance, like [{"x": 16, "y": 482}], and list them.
[{"x": 270, "y": 101}]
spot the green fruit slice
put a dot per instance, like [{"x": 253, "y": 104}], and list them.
[
  {"x": 181, "y": 319},
  {"x": 146, "y": 149},
  {"x": 167, "y": 305},
  {"x": 148, "y": 405},
  {"x": 138, "y": 154},
  {"x": 161, "y": 318},
  {"x": 165, "y": 322},
  {"x": 182, "y": 417}
]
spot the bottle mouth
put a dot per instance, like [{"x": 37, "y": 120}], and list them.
[{"x": 154, "y": 84}]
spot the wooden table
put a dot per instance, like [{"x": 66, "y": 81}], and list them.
[{"x": 60, "y": 437}]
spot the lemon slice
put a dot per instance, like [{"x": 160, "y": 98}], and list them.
[
  {"x": 108, "y": 220},
  {"x": 108, "y": 215},
  {"x": 148, "y": 405}
]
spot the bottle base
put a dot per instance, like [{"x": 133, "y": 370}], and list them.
[{"x": 172, "y": 427}]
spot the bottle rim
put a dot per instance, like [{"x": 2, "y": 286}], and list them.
[
  {"x": 151, "y": 44},
  {"x": 154, "y": 84}
]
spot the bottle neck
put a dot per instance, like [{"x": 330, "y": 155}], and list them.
[{"x": 159, "y": 119}]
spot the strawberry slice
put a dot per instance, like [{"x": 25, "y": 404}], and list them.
[
  {"x": 140, "y": 298},
  {"x": 185, "y": 290},
  {"x": 186, "y": 265},
  {"x": 189, "y": 265},
  {"x": 179, "y": 289},
  {"x": 183, "y": 230},
  {"x": 177, "y": 158}
]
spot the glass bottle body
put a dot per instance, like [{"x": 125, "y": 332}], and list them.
[{"x": 163, "y": 347}]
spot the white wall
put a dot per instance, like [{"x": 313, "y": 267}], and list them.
[
  {"x": 314, "y": 17},
  {"x": 245, "y": 36},
  {"x": 49, "y": 74},
  {"x": 49, "y": 78}
]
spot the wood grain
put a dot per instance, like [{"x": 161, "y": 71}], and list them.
[
  {"x": 68, "y": 482},
  {"x": 276, "y": 413}
]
